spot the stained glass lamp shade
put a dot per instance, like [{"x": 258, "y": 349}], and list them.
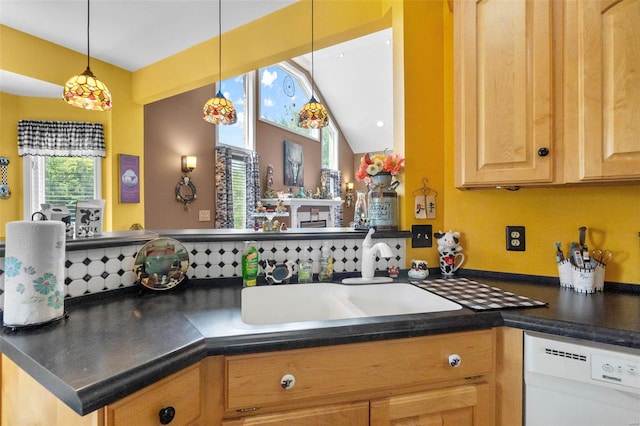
[
  {"x": 87, "y": 92},
  {"x": 219, "y": 110},
  {"x": 313, "y": 115}
]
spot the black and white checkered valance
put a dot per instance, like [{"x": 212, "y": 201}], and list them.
[{"x": 60, "y": 138}]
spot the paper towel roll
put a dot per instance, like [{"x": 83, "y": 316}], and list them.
[{"x": 34, "y": 272}]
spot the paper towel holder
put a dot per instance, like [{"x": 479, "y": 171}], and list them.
[{"x": 15, "y": 327}]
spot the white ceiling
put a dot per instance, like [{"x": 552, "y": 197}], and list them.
[{"x": 353, "y": 78}]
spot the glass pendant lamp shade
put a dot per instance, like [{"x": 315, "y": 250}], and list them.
[
  {"x": 219, "y": 110},
  {"x": 313, "y": 115},
  {"x": 85, "y": 90}
]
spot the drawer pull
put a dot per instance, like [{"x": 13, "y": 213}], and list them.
[
  {"x": 166, "y": 415},
  {"x": 288, "y": 381},
  {"x": 455, "y": 360}
]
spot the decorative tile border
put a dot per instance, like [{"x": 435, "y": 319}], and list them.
[{"x": 102, "y": 269}]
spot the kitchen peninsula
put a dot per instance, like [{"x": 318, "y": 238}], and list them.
[{"x": 116, "y": 344}]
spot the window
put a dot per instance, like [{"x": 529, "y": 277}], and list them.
[
  {"x": 239, "y": 90},
  {"x": 283, "y": 91},
  {"x": 240, "y": 138},
  {"x": 330, "y": 145},
  {"x": 239, "y": 189},
  {"x": 59, "y": 180}
]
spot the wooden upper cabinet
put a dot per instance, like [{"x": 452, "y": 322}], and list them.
[
  {"x": 602, "y": 90},
  {"x": 503, "y": 92}
]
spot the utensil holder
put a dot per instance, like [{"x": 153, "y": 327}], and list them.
[
  {"x": 564, "y": 273},
  {"x": 583, "y": 279}
]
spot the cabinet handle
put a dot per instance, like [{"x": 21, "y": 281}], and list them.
[
  {"x": 166, "y": 415},
  {"x": 288, "y": 381},
  {"x": 543, "y": 152},
  {"x": 455, "y": 360}
]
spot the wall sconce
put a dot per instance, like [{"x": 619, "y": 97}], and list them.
[
  {"x": 189, "y": 163},
  {"x": 349, "y": 194}
]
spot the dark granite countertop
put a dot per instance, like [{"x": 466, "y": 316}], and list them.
[{"x": 114, "y": 344}]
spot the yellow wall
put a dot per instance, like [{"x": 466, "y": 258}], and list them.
[{"x": 27, "y": 55}]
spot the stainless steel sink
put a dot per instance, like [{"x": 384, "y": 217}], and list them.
[{"x": 320, "y": 302}]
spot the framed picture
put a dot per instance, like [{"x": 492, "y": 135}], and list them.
[
  {"x": 129, "y": 178},
  {"x": 293, "y": 164}
]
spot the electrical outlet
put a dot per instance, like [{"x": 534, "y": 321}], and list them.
[
  {"x": 421, "y": 236},
  {"x": 515, "y": 238},
  {"x": 204, "y": 215}
]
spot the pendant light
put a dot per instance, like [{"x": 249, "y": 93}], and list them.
[
  {"x": 219, "y": 110},
  {"x": 85, "y": 90},
  {"x": 312, "y": 115}
]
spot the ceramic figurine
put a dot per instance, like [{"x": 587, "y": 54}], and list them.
[
  {"x": 449, "y": 249},
  {"x": 418, "y": 269},
  {"x": 277, "y": 273}
]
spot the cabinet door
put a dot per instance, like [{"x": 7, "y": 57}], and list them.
[
  {"x": 458, "y": 406},
  {"x": 602, "y": 90},
  {"x": 175, "y": 399},
  {"x": 355, "y": 414},
  {"x": 503, "y": 92}
]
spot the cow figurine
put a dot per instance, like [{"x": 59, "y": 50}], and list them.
[
  {"x": 449, "y": 249},
  {"x": 418, "y": 269}
]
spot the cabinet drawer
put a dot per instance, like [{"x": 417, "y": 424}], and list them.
[
  {"x": 181, "y": 391},
  {"x": 255, "y": 380}
]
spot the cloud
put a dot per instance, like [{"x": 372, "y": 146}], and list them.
[
  {"x": 269, "y": 77},
  {"x": 268, "y": 102}
]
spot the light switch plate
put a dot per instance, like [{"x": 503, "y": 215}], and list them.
[
  {"x": 421, "y": 236},
  {"x": 204, "y": 215}
]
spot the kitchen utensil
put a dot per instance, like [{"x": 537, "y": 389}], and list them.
[{"x": 602, "y": 256}]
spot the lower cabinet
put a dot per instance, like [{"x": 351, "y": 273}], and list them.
[
  {"x": 459, "y": 406},
  {"x": 446, "y": 379},
  {"x": 352, "y": 414},
  {"x": 175, "y": 400}
]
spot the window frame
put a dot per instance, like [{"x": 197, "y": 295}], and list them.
[
  {"x": 249, "y": 115},
  {"x": 29, "y": 162}
]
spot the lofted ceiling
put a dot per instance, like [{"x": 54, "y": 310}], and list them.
[{"x": 353, "y": 78}]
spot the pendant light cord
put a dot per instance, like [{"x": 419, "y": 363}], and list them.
[
  {"x": 220, "y": 44},
  {"x": 88, "y": 21},
  {"x": 312, "y": 67}
]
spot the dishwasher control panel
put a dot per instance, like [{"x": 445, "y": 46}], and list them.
[{"x": 612, "y": 369}]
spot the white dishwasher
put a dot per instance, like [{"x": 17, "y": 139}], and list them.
[{"x": 574, "y": 382}]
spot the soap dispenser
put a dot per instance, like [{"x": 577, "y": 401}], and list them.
[
  {"x": 326, "y": 263},
  {"x": 305, "y": 268}
]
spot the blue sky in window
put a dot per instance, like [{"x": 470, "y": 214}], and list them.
[
  {"x": 281, "y": 97},
  {"x": 233, "y": 89}
]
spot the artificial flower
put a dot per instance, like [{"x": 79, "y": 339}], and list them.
[{"x": 373, "y": 164}]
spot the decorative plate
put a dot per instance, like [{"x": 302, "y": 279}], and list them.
[{"x": 161, "y": 264}]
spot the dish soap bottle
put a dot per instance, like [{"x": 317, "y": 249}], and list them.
[
  {"x": 250, "y": 264},
  {"x": 305, "y": 268},
  {"x": 326, "y": 263}
]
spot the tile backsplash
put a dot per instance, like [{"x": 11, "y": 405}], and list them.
[{"x": 101, "y": 269}]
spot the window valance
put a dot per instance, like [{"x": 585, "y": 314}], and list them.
[{"x": 60, "y": 138}]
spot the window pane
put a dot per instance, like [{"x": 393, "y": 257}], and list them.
[
  {"x": 234, "y": 89},
  {"x": 68, "y": 179},
  {"x": 283, "y": 91},
  {"x": 239, "y": 188}
]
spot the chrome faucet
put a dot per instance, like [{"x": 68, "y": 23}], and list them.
[{"x": 369, "y": 252}]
